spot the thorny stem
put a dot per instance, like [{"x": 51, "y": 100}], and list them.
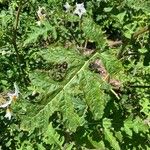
[
  {"x": 15, "y": 33},
  {"x": 122, "y": 49},
  {"x": 14, "y": 38},
  {"x": 74, "y": 37}
]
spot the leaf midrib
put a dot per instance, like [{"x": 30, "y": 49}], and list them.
[{"x": 86, "y": 62}]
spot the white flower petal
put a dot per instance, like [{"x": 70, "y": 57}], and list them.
[
  {"x": 80, "y": 10},
  {"x": 41, "y": 15},
  {"x": 8, "y": 114},
  {"x": 15, "y": 95},
  {"x": 11, "y": 95},
  {"x": 67, "y": 6},
  {"x": 38, "y": 23},
  {"x": 6, "y": 104},
  {"x": 39, "y": 12},
  {"x": 16, "y": 90}
]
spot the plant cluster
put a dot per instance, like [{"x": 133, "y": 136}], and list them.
[{"x": 81, "y": 73}]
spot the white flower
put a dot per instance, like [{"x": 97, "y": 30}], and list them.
[
  {"x": 67, "y": 6},
  {"x": 38, "y": 23},
  {"x": 12, "y": 96},
  {"x": 15, "y": 95},
  {"x": 40, "y": 14},
  {"x": 80, "y": 10},
  {"x": 8, "y": 114},
  {"x": 6, "y": 104}
]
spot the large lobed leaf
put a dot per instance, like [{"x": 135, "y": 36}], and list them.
[{"x": 79, "y": 91}]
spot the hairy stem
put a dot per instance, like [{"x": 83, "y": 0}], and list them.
[{"x": 14, "y": 38}]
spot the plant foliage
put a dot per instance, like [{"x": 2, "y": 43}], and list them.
[{"x": 83, "y": 81}]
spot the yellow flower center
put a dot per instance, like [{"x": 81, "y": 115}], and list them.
[{"x": 14, "y": 97}]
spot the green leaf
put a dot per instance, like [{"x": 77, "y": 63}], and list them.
[
  {"x": 55, "y": 99},
  {"x": 121, "y": 16},
  {"x": 93, "y": 32},
  {"x": 137, "y": 125},
  {"x": 95, "y": 98},
  {"x": 53, "y": 138},
  {"x": 108, "y": 9},
  {"x": 98, "y": 145},
  {"x": 59, "y": 54},
  {"x": 139, "y": 4},
  {"x": 38, "y": 32},
  {"x": 79, "y": 82},
  {"x": 109, "y": 136}
]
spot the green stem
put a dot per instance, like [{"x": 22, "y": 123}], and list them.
[
  {"x": 14, "y": 38},
  {"x": 141, "y": 31},
  {"x": 139, "y": 86}
]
